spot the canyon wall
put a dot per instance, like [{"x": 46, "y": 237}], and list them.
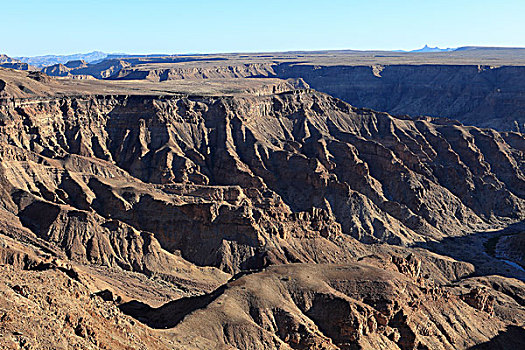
[
  {"x": 484, "y": 96},
  {"x": 288, "y": 220},
  {"x": 255, "y": 180}
]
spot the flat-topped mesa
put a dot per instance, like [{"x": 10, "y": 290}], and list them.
[
  {"x": 11, "y": 63},
  {"x": 18, "y": 86},
  {"x": 98, "y": 70},
  {"x": 309, "y": 170},
  {"x": 76, "y": 64},
  {"x": 248, "y": 70}
]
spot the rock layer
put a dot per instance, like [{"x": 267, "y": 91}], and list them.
[
  {"x": 485, "y": 96},
  {"x": 306, "y": 204},
  {"x": 239, "y": 174}
]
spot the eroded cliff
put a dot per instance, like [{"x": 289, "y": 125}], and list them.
[
  {"x": 481, "y": 95},
  {"x": 179, "y": 193}
]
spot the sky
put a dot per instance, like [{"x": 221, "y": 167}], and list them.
[{"x": 39, "y": 27}]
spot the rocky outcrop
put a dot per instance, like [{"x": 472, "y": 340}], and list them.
[
  {"x": 11, "y": 63},
  {"x": 18, "y": 84},
  {"x": 6, "y": 59},
  {"x": 57, "y": 70},
  {"x": 17, "y": 66},
  {"x": 329, "y": 307},
  {"x": 98, "y": 70},
  {"x": 279, "y": 220},
  {"x": 76, "y": 64},
  {"x": 247, "y": 70},
  {"x": 259, "y": 180},
  {"x": 40, "y": 310},
  {"x": 479, "y": 299}
]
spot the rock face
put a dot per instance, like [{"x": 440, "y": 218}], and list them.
[
  {"x": 512, "y": 248},
  {"x": 16, "y": 65},
  {"x": 6, "y": 59},
  {"x": 482, "y": 91},
  {"x": 48, "y": 310},
  {"x": 247, "y": 70},
  {"x": 160, "y": 198},
  {"x": 98, "y": 70},
  {"x": 8, "y": 62},
  {"x": 302, "y": 306},
  {"x": 239, "y": 174},
  {"x": 485, "y": 96},
  {"x": 11, "y": 63}
]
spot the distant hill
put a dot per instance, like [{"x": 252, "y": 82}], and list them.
[
  {"x": 8, "y": 62},
  {"x": 48, "y": 60},
  {"x": 426, "y": 48},
  {"x": 491, "y": 48},
  {"x": 6, "y": 59}
]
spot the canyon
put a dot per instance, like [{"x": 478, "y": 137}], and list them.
[
  {"x": 279, "y": 202},
  {"x": 475, "y": 85}
]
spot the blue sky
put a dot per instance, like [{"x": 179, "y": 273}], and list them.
[{"x": 37, "y": 27}]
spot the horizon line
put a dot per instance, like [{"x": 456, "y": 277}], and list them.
[{"x": 269, "y": 51}]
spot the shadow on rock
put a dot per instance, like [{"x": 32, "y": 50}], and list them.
[
  {"x": 479, "y": 250},
  {"x": 512, "y": 338},
  {"x": 170, "y": 314}
]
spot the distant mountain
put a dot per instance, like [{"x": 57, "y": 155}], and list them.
[
  {"x": 8, "y": 62},
  {"x": 48, "y": 60},
  {"x": 426, "y": 48},
  {"x": 126, "y": 55},
  {"x": 7, "y": 59}
]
